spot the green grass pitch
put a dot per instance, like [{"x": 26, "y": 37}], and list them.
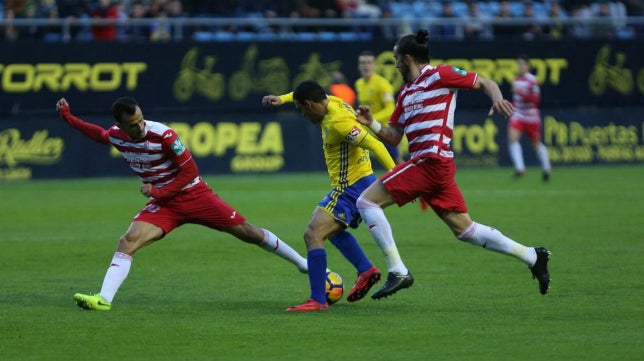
[{"x": 199, "y": 294}]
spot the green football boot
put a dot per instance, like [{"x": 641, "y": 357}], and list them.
[{"x": 92, "y": 302}]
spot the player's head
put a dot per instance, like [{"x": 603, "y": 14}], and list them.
[
  {"x": 524, "y": 64},
  {"x": 367, "y": 64},
  {"x": 310, "y": 98},
  {"x": 410, "y": 51},
  {"x": 129, "y": 117}
]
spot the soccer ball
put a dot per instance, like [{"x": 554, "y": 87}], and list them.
[{"x": 334, "y": 287}]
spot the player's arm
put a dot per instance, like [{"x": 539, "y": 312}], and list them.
[
  {"x": 277, "y": 100},
  {"x": 491, "y": 89},
  {"x": 373, "y": 145},
  {"x": 390, "y": 134},
  {"x": 187, "y": 172},
  {"x": 92, "y": 131}
]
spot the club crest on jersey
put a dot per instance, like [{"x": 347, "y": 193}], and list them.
[
  {"x": 177, "y": 147},
  {"x": 459, "y": 71},
  {"x": 354, "y": 134}
]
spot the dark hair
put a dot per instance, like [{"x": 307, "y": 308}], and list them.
[
  {"x": 524, "y": 57},
  {"x": 415, "y": 45},
  {"x": 123, "y": 106},
  {"x": 309, "y": 90},
  {"x": 367, "y": 53}
]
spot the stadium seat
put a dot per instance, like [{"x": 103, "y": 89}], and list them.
[{"x": 327, "y": 36}]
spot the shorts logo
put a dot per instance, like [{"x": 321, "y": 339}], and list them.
[
  {"x": 152, "y": 208},
  {"x": 177, "y": 147},
  {"x": 354, "y": 134}
]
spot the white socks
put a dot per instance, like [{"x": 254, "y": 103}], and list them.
[
  {"x": 542, "y": 154},
  {"x": 380, "y": 229},
  {"x": 516, "y": 154},
  {"x": 494, "y": 240},
  {"x": 115, "y": 275},
  {"x": 273, "y": 244}
]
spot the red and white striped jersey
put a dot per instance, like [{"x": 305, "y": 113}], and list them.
[
  {"x": 425, "y": 109},
  {"x": 526, "y": 99},
  {"x": 156, "y": 157}
]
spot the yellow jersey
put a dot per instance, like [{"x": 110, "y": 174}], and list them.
[
  {"x": 378, "y": 94},
  {"x": 347, "y": 143}
]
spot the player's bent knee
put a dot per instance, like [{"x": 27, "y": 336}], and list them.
[{"x": 363, "y": 202}]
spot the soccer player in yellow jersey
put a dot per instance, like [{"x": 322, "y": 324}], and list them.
[
  {"x": 346, "y": 145},
  {"x": 377, "y": 93}
]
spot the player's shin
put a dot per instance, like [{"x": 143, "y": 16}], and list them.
[
  {"x": 380, "y": 229},
  {"x": 494, "y": 240},
  {"x": 317, "y": 264},
  {"x": 116, "y": 275},
  {"x": 348, "y": 245},
  {"x": 273, "y": 244}
]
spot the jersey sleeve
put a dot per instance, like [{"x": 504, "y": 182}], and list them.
[
  {"x": 90, "y": 130},
  {"x": 453, "y": 77},
  {"x": 286, "y": 98},
  {"x": 378, "y": 150},
  {"x": 175, "y": 149},
  {"x": 354, "y": 134}
]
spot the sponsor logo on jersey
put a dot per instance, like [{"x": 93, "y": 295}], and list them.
[
  {"x": 459, "y": 71},
  {"x": 354, "y": 134},
  {"x": 177, "y": 147}
]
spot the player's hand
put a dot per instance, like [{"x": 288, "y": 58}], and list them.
[
  {"x": 364, "y": 116},
  {"x": 61, "y": 103},
  {"x": 503, "y": 107},
  {"x": 146, "y": 189},
  {"x": 271, "y": 100}
]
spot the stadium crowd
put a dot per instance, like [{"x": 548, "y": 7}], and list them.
[{"x": 472, "y": 19}]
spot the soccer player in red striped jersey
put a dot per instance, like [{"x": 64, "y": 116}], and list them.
[
  {"x": 425, "y": 113},
  {"x": 526, "y": 118},
  {"x": 177, "y": 194}
]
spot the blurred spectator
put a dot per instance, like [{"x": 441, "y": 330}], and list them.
[
  {"x": 74, "y": 10},
  {"x": 138, "y": 32},
  {"x": 556, "y": 29},
  {"x": 581, "y": 28},
  {"x": 532, "y": 30},
  {"x": 449, "y": 31},
  {"x": 504, "y": 31},
  {"x": 104, "y": 10},
  {"x": 358, "y": 9},
  {"x": 341, "y": 89},
  {"x": 160, "y": 29},
  {"x": 317, "y": 9},
  {"x": 386, "y": 31},
  {"x": 605, "y": 29},
  {"x": 475, "y": 24},
  {"x": 175, "y": 11}
]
